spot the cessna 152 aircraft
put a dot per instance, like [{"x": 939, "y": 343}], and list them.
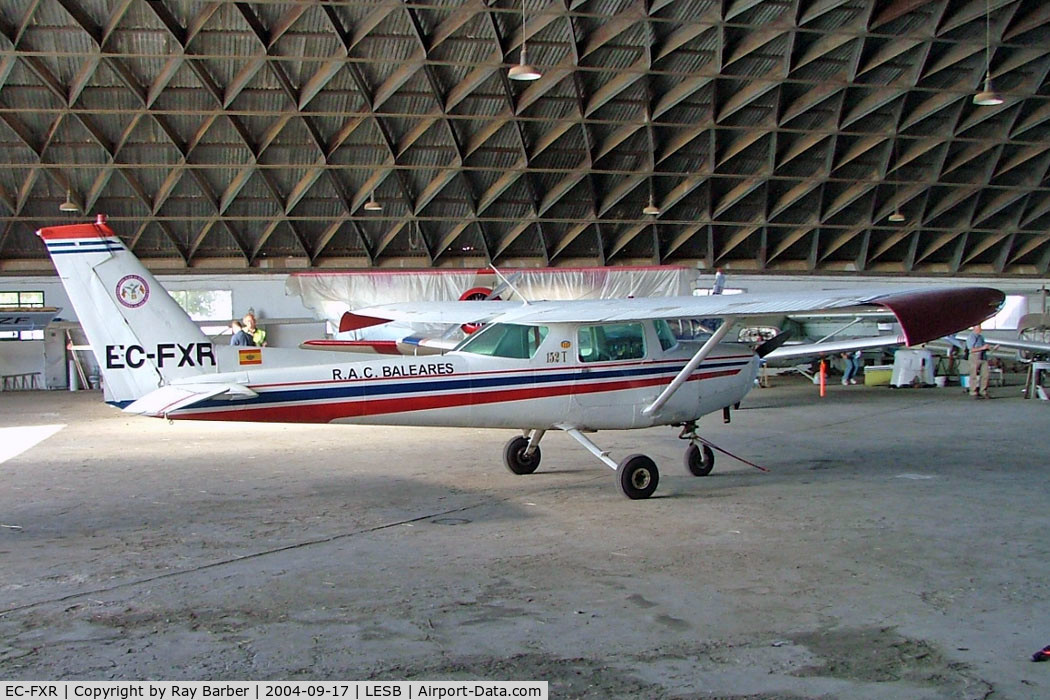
[{"x": 601, "y": 364}]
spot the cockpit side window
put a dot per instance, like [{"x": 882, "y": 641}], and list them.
[
  {"x": 506, "y": 340},
  {"x": 665, "y": 334},
  {"x": 611, "y": 341}
]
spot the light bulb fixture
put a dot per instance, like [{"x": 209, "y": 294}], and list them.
[
  {"x": 415, "y": 237},
  {"x": 372, "y": 204},
  {"x": 523, "y": 71},
  {"x": 987, "y": 97},
  {"x": 896, "y": 217},
  {"x": 651, "y": 209},
  {"x": 69, "y": 204}
]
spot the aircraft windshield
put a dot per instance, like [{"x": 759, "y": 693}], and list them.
[{"x": 505, "y": 340}]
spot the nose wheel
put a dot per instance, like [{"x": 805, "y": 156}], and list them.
[{"x": 699, "y": 459}]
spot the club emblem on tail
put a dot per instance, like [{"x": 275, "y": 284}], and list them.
[{"x": 132, "y": 291}]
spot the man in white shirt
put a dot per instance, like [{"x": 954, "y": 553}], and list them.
[{"x": 978, "y": 349}]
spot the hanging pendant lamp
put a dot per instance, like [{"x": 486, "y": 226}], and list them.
[
  {"x": 69, "y": 204},
  {"x": 987, "y": 97},
  {"x": 523, "y": 71},
  {"x": 651, "y": 209},
  {"x": 896, "y": 217},
  {"x": 372, "y": 204}
]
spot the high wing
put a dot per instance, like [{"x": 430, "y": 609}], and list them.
[
  {"x": 834, "y": 346},
  {"x": 1012, "y": 343},
  {"x": 924, "y": 314},
  {"x": 1017, "y": 344}
]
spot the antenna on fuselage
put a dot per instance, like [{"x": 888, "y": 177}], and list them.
[{"x": 508, "y": 283}]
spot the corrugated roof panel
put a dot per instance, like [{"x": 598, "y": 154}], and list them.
[
  {"x": 483, "y": 102},
  {"x": 836, "y": 17},
  {"x": 765, "y": 12},
  {"x": 225, "y": 33},
  {"x": 833, "y": 64},
  {"x": 471, "y": 42},
  {"x": 150, "y": 145},
  {"x": 619, "y": 53},
  {"x": 414, "y": 98}
]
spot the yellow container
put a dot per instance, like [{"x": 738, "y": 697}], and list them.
[{"x": 878, "y": 375}]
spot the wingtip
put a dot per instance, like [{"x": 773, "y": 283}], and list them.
[{"x": 933, "y": 314}]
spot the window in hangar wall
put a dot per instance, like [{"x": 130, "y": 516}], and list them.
[
  {"x": 211, "y": 308},
  {"x": 38, "y": 334},
  {"x": 22, "y": 300}
]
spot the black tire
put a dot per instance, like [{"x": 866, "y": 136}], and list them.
[
  {"x": 638, "y": 477},
  {"x": 514, "y": 456},
  {"x": 699, "y": 460}
]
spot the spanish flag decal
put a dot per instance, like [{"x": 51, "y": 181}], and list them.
[{"x": 250, "y": 357}]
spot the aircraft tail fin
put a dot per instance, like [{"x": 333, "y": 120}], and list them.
[{"x": 141, "y": 337}]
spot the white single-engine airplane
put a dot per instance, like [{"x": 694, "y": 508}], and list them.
[{"x": 582, "y": 366}]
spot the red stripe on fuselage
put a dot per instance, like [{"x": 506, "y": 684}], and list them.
[{"x": 328, "y": 412}]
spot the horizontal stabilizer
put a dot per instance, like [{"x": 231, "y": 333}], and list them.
[{"x": 173, "y": 397}]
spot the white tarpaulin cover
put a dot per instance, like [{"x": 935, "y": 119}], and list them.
[{"x": 330, "y": 294}]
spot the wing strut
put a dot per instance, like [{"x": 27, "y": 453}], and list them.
[
  {"x": 699, "y": 357},
  {"x": 835, "y": 332}
]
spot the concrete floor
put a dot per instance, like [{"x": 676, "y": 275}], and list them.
[{"x": 898, "y": 549}]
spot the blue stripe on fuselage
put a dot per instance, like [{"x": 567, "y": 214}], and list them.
[{"x": 358, "y": 390}]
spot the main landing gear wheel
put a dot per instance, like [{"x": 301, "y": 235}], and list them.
[
  {"x": 699, "y": 459},
  {"x": 516, "y": 460},
  {"x": 638, "y": 477}
]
